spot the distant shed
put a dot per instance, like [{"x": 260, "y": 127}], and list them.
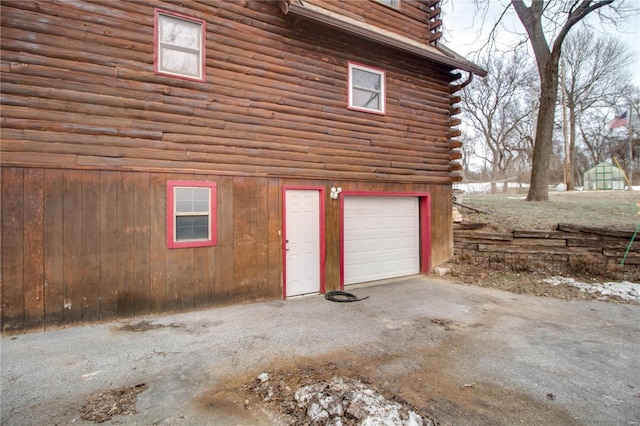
[{"x": 604, "y": 176}]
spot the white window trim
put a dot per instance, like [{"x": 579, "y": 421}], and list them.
[
  {"x": 178, "y": 214},
  {"x": 201, "y": 53},
  {"x": 383, "y": 88}
]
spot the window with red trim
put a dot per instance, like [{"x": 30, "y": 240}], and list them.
[
  {"x": 179, "y": 45},
  {"x": 191, "y": 214}
]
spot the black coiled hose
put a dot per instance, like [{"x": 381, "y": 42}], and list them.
[{"x": 342, "y": 296}]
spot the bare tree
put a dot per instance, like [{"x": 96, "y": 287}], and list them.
[
  {"x": 547, "y": 24},
  {"x": 496, "y": 106},
  {"x": 547, "y": 58},
  {"x": 594, "y": 74}
]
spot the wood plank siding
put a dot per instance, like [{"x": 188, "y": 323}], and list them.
[{"x": 91, "y": 135}]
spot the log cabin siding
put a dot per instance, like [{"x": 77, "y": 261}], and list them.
[
  {"x": 415, "y": 19},
  {"x": 90, "y": 137},
  {"x": 274, "y": 103}
]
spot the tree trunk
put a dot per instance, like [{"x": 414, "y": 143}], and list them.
[
  {"x": 543, "y": 146},
  {"x": 565, "y": 103},
  {"x": 571, "y": 185}
]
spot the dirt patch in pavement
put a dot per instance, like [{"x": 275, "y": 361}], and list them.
[
  {"x": 142, "y": 326},
  {"x": 420, "y": 381},
  {"x": 104, "y": 406}
]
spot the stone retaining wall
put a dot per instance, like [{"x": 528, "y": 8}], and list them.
[{"x": 558, "y": 248}]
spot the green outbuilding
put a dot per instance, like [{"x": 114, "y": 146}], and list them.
[{"x": 604, "y": 176}]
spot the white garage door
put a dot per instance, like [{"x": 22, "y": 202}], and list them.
[{"x": 381, "y": 238}]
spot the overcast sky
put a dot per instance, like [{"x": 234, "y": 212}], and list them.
[{"x": 465, "y": 32}]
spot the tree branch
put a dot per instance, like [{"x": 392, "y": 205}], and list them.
[{"x": 575, "y": 16}]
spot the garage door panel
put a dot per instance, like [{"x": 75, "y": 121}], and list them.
[
  {"x": 381, "y": 238},
  {"x": 391, "y": 243}
]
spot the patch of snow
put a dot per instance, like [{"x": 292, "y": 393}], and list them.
[
  {"x": 328, "y": 402},
  {"x": 485, "y": 187},
  {"x": 625, "y": 289}
]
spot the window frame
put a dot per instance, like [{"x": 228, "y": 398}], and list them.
[
  {"x": 383, "y": 88},
  {"x": 212, "y": 240},
  {"x": 157, "y": 51},
  {"x": 394, "y": 4}
]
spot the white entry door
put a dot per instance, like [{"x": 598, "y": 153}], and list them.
[
  {"x": 302, "y": 242},
  {"x": 381, "y": 238}
]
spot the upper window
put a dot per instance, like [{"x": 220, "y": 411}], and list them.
[
  {"x": 393, "y": 3},
  {"x": 179, "y": 46},
  {"x": 366, "y": 89},
  {"x": 191, "y": 214}
]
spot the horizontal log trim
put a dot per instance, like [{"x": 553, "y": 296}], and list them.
[
  {"x": 46, "y": 97},
  {"x": 98, "y": 12},
  {"x": 289, "y": 68},
  {"x": 412, "y": 140},
  {"x": 67, "y": 49},
  {"x": 94, "y": 125},
  {"x": 37, "y": 159},
  {"x": 368, "y": 125},
  {"x": 226, "y": 156},
  {"x": 128, "y": 40},
  {"x": 280, "y": 58},
  {"x": 223, "y": 146},
  {"x": 21, "y": 116},
  {"x": 221, "y": 169},
  {"x": 79, "y": 162},
  {"x": 213, "y": 122}
]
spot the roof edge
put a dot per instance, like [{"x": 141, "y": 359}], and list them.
[{"x": 440, "y": 54}]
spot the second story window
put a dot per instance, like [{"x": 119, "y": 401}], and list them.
[
  {"x": 393, "y": 3},
  {"x": 179, "y": 46},
  {"x": 366, "y": 89}
]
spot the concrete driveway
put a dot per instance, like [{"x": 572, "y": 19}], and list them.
[{"x": 466, "y": 355}]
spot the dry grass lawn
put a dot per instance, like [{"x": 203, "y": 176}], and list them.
[{"x": 508, "y": 212}]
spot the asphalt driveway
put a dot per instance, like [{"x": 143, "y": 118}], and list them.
[{"x": 464, "y": 354}]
